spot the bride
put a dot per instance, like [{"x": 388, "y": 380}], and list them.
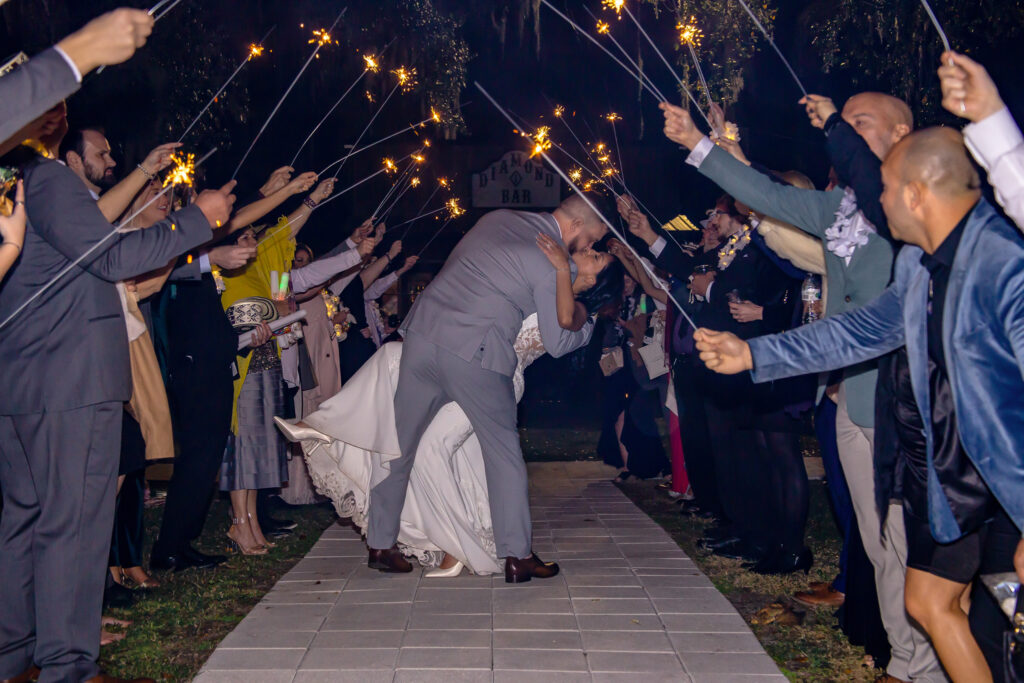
[{"x": 349, "y": 441}]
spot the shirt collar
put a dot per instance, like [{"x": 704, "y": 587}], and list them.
[{"x": 946, "y": 252}]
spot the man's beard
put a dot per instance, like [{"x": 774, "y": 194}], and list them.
[{"x": 105, "y": 180}]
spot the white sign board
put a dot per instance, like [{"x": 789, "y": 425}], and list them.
[{"x": 515, "y": 181}]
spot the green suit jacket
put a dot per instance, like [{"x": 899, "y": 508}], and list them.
[{"x": 850, "y": 285}]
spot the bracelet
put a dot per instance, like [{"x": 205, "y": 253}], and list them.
[
  {"x": 13, "y": 244},
  {"x": 308, "y": 201},
  {"x": 151, "y": 176}
]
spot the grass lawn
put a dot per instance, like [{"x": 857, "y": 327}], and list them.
[{"x": 174, "y": 631}]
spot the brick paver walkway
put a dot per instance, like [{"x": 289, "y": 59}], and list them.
[{"x": 629, "y": 605}]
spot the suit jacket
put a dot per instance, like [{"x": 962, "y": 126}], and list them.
[
  {"x": 69, "y": 349},
  {"x": 850, "y": 285},
  {"x": 32, "y": 89},
  {"x": 983, "y": 339},
  {"x": 494, "y": 278}
]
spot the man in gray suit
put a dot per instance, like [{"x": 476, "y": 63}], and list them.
[
  {"x": 53, "y": 74},
  {"x": 458, "y": 347},
  {"x": 65, "y": 363}
]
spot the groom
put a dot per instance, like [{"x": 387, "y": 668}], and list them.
[{"x": 458, "y": 347}]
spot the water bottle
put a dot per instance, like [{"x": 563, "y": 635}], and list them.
[{"x": 810, "y": 294}]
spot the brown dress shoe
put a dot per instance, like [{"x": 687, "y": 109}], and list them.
[
  {"x": 28, "y": 676},
  {"x": 104, "y": 678},
  {"x": 521, "y": 571},
  {"x": 390, "y": 561},
  {"x": 822, "y": 595}
]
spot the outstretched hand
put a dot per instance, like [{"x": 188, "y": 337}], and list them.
[
  {"x": 555, "y": 252},
  {"x": 277, "y": 181},
  {"x": 301, "y": 183},
  {"x": 362, "y": 232},
  {"x": 819, "y": 109},
  {"x": 679, "y": 126},
  {"x": 216, "y": 205},
  {"x": 723, "y": 352},
  {"x": 160, "y": 158},
  {"x": 967, "y": 89},
  {"x": 108, "y": 39}
]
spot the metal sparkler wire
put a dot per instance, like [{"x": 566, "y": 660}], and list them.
[
  {"x": 116, "y": 231},
  {"x": 152, "y": 10},
  {"x": 641, "y": 74},
  {"x": 370, "y": 123},
  {"x": 608, "y": 52},
  {"x": 355, "y": 185},
  {"x": 164, "y": 13},
  {"x": 666, "y": 63},
  {"x": 331, "y": 110},
  {"x": 650, "y": 273},
  {"x": 248, "y": 58},
  {"x": 286, "y": 92},
  {"x": 434, "y": 236},
  {"x": 416, "y": 218},
  {"x": 398, "y": 197},
  {"x": 400, "y": 180},
  {"x": 776, "y": 47},
  {"x": 156, "y": 8},
  {"x": 938, "y": 26},
  {"x": 419, "y": 213},
  {"x": 372, "y": 144}
]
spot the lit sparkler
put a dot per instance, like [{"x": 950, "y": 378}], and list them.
[
  {"x": 541, "y": 140},
  {"x": 371, "y": 63},
  {"x": 389, "y": 165},
  {"x": 255, "y": 50},
  {"x": 690, "y": 33},
  {"x": 612, "y": 117},
  {"x": 415, "y": 182},
  {"x": 406, "y": 78},
  {"x": 559, "y": 110},
  {"x": 286, "y": 92},
  {"x": 435, "y": 115},
  {"x": 615, "y": 5},
  {"x": 454, "y": 210},
  {"x": 576, "y": 174},
  {"x": 321, "y": 37},
  {"x": 183, "y": 171},
  {"x": 603, "y": 28}
]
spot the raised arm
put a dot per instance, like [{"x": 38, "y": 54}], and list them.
[
  {"x": 373, "y": 271},
  {"x": 251, "y": 213},
  {"x": 297, "y": 218},
  {"x": 117, "y": 199},
  {"x": 571, "y": 314},
  {"x": 810, "y": 210}
]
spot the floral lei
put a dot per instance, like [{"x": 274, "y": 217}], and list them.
[
  {"x": 333, "y": 304},
  {"x": 735, "y": 244}
]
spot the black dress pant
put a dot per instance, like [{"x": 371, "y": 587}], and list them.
[
  {"x": 58, "y": 473},
  {"x": 693, "y": 432},
  {"x": 129, "y": 526},
  {"x": 201, "y": 401}
]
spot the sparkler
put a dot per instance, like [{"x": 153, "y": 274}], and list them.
[
  {"x": 441, "y": 182},
  {"x": 401, "y": 182},
  {"x": 938, "y": 26},
  {"x": 320, "y": 43},
  {"x": 776, "y": 47},
  {"x": 654, "y": 278},
  {"x": 88, "y": 252},
  {"x": 415, "y": 218},
  {"x": 255, "y": 50},
  {"x": 152, "y": 10},
  {"x": 690, "y": 35},
  {"x": 604, "y": 29},
  {"x": 608, "y": 52},
  {"x": 184, "y": 170},
  {"x": 622, "y": 6},
  {"x": 372, "y": 66},
  {"x": 357, "y": 184},
  {"x": 372, "y": 144},
  {"x": 404, "y": 75}
]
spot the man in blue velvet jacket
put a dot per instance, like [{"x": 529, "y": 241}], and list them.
[{"x": 957, "y": 304}]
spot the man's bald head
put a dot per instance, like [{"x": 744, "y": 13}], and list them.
[
  {"x": 882, "y": 120},
  {"x": 581, "y": 226},
  {"x": 929, "y": 184}
]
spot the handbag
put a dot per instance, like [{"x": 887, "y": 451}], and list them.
[
  {"x": 612, "y": 361},
  {"x": 653, "y": 356}
]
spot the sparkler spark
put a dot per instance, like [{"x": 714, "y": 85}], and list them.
[
  {"x": 690, "y": 33},
  {"x": 371, "y": 63},
  {"x": 322, "y": 36},
  {"x": 389, "y": 165},
  {"x": 369, "y": 97},
  {"x": 255, "y": 50},
  {"x": 454, "y": 210},
  {"x": 559, "y": 110},
  {"x": 183, "y": 171},
  {"x": 603, "y": 27},
  {"x": 615, "y": 5},
  {"x": 415, "y": 182},
  {"x": 443, "y": 182},
  {"x": 541, "y": 141},
  {"x": 435, "y": 115},
  {"x": 575, "y": 174},
  {"x": 418, "y": 158},
  {"x": 406, "y": 78},
  {"x": 612, "y": 117}
]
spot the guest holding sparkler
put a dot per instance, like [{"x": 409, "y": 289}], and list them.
[{"x": 256, "y": 457}]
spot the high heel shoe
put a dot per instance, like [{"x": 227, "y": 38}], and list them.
[
  {"x": 298, "y": 433},
  {"x": 265, "y": 543},
  {"x": 241, "y": 549},
  {"x": 439, "y": 573}
]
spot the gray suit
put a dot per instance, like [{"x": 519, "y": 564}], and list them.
[
  {"x": 32, "y": 89},
  {"x": 67, "y": 374},
  {"x": 459, "y": 347}
]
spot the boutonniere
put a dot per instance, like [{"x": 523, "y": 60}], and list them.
[{"x": 733, "y": 246}]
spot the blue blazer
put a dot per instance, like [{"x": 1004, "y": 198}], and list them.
[{"x": 983, "y": 335}]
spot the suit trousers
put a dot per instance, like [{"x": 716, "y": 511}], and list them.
[
  {"x": 693, "y": 431},
  {"x": 58, "y": 473},
  {"x": 429, "y": 378},
  {"x": 913, "y": 658},
  {"x": 201, "y": 406}
]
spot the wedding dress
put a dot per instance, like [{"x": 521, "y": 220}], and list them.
[{"x": 446, "y": 506}]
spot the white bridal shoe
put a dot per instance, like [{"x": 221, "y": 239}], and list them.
[
  {"x": 445, "y": 573},
  {"x": 296, "y": 433}
]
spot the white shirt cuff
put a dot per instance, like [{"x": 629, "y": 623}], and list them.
[
  {"x": 700, "y": 152},
  {"x": 350, "y": 243},
  {"x": 707, "y": 294},
  {"x": 658, "y": 246},
  {"x": 992, "y": 137},
  {"x": 204, "y": 262},
  {"x": 74, "y": 67}
]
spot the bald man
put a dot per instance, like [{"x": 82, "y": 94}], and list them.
[
  {"x": 858, "y": 265},
  {"x": 957, "y": 304}
]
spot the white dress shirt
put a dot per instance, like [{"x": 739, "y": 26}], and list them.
[{"x": 997, "y": 144}]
